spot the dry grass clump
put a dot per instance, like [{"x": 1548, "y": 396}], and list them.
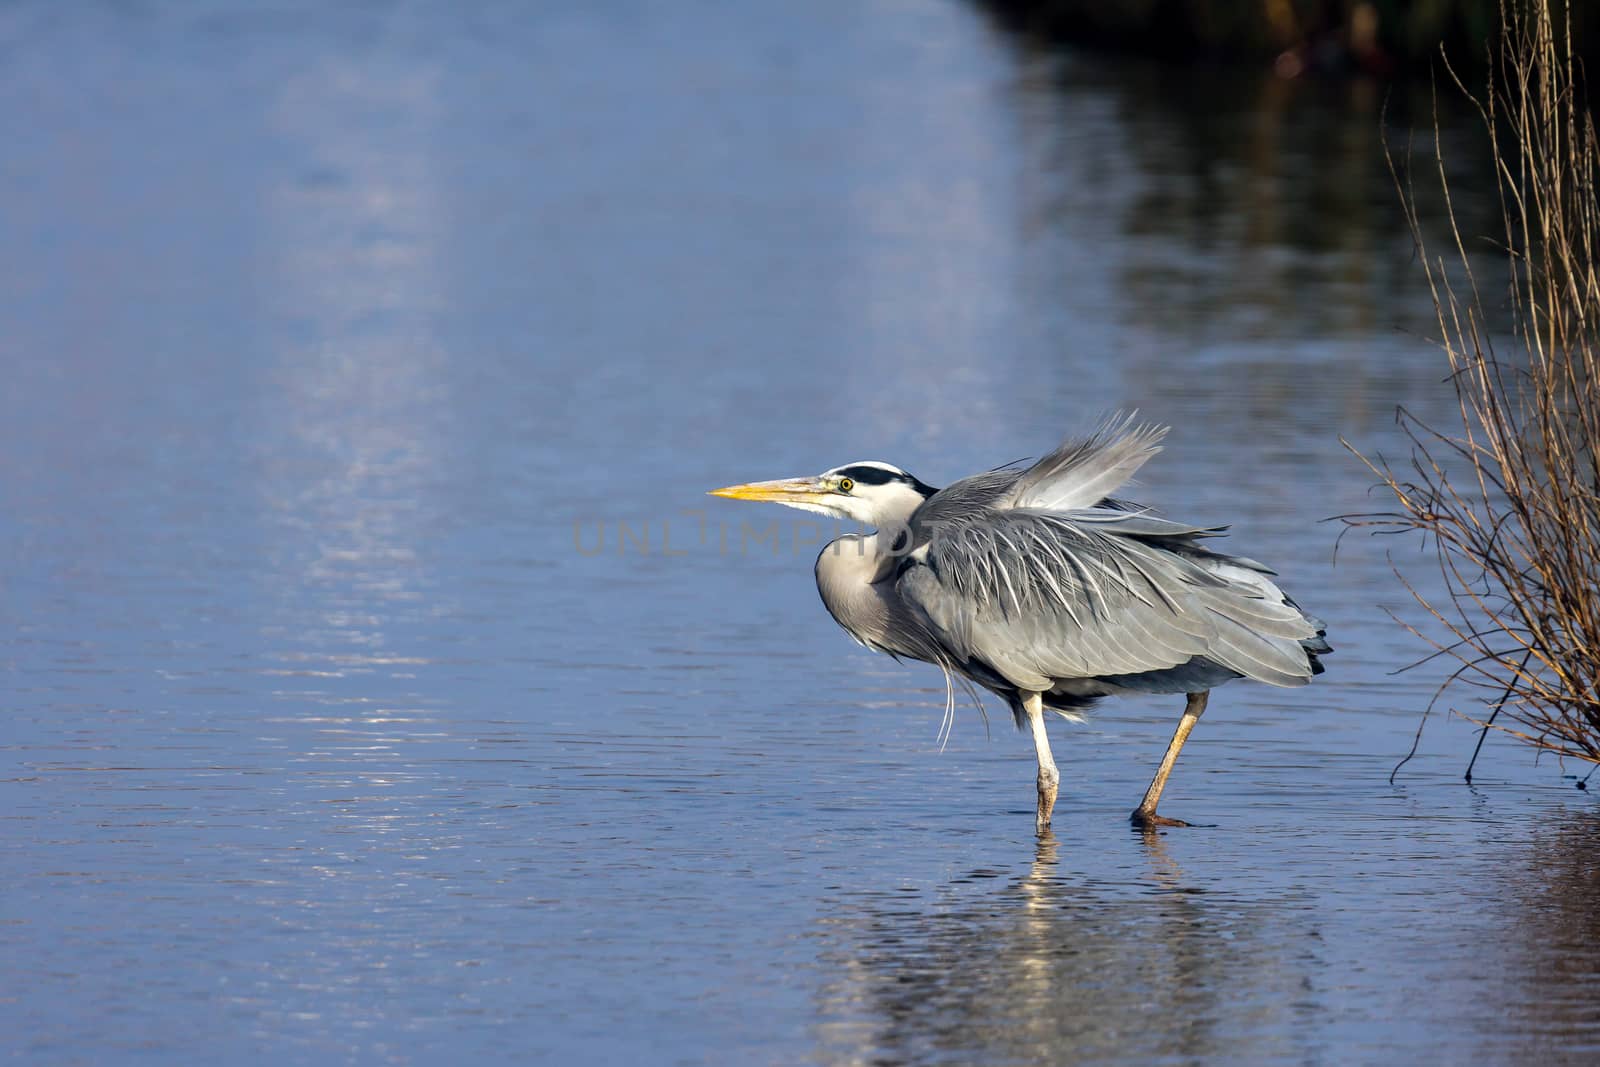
[{"x": 1510, "y": 497}]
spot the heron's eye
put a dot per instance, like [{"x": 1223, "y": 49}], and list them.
[{"x": 845, "y": 485}]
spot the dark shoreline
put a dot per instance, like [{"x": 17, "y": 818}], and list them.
[{"x": 1330, "y": 37}]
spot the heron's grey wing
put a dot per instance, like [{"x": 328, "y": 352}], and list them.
[{"x": 1043, "y": 596}]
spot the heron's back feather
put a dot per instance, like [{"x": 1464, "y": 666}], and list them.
[
  {"x": 1051, "y": 597},
  {"x": 1081, "y": 473}
]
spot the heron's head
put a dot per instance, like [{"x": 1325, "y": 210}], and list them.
[{"x": 872, "y": 493}]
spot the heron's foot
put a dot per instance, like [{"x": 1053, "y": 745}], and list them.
[
  {"x": 1047, "y": 800},
  {"x": 1149, "y": 820}
]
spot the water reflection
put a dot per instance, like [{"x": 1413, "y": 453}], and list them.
[
  {"x": 356, "y": 409},
  {"x": 1246, "y": 205},
  {"x": 1054, "y": 966},
  {"x": 1551, "y": 894}
]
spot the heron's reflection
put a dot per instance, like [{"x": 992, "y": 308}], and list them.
[{"x": 1053, "y": 966}]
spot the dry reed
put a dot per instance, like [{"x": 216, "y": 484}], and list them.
[{"x": 1510, "y": 497}]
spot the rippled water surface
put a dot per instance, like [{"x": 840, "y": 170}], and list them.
[{"x": 381, "y": 687}]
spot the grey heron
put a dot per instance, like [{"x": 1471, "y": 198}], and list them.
[{"x": 1040, "y": 586}]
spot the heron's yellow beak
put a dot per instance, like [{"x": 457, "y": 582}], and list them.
[{"x": 781, "y": 491}]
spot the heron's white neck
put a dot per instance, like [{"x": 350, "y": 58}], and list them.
[{"x": 846, "y": 571}]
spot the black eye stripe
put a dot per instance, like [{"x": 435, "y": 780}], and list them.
[
  {"x": 863, "y": 475},
  {"x": 871, "y": 475}
]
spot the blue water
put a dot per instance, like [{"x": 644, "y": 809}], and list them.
[{"x": 382, "y": 687}]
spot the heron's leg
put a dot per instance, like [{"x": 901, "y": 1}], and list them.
[
  {"x": 1049, "y": 777},
  {"x": 1145, "y": 815}
]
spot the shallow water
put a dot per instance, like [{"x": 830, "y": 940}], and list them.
[{"x": 382, "y": 687}]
